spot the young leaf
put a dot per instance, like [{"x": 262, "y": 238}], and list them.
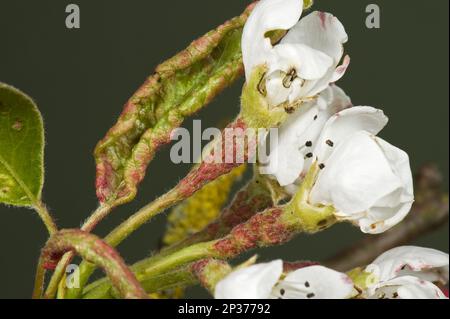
[
  {"x": 21, "y": 148},
  {"x": 178, "y": 88}
]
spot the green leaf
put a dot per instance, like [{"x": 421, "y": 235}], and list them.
[
  {"x": 21, "y": 148},
  {"x": 179, "y": 87}
]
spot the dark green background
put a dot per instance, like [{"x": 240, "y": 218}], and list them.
[{"x": 81, "y": 78}]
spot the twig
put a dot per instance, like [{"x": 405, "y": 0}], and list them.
[{"x": 93, "y": 249}]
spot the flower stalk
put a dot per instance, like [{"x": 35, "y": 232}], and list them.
[{"x": 273, "y": 226}]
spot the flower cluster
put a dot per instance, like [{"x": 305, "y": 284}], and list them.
[
  {"x": 367, "y": 180},
  {"x": 363, "y": 178},
  {"x": 401, "y": 273}
]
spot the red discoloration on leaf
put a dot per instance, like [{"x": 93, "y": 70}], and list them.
[
  {"x": 104, "y": 177},
  {"x": 206, "y": 172},
  {"x": 153, "y": 111}
]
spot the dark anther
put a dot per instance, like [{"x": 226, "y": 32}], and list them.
[
  {"x": 262, "y": 85},
  {"x": 322, "y": 166},
  {"x": 309, "y": 155},
  {"x": 308, "y": 144},
  {"x": 307, "y": 284},
  {"x": 289, "y": 78},
  {"x": 315, "y": 117},
  {"x": 310, "y": 295},
  {"x": 289, "y": 109},
  {"x": 282, "y": 292},
  {"x": 330, "y": 143}
]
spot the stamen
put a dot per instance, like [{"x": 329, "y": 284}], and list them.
[
  {"x": 308, "y": 143},
  {"x": 330, "y": 143},
  {"x": 262, "y": 85},
  {"x": 289, "y": 78}
]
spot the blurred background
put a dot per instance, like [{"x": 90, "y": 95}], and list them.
[{"x": 81, "y": 78}]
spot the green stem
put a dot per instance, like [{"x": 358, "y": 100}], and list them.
[
  {"x": 101, "y": 212},
  {"x": 148, "y": 270},
  {"x": 180, "y": 277},
  {"x": 210, "y": 271},
  {"x": 39, "y": 281},
  {"x": 123, "y": 231},
  {"x": 91, "y": 248},
  {"x": 44, "y": 214}
]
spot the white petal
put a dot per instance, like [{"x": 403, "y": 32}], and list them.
[
  {"x": 345, "y": 123},
  {"x": 378, "y": 219},
  {"x": 320, "y": 31},
  {"x": 253, "y": 282},
  {"x": 407, "y": 287},
  {"x": 287, "y": 161},
  {"x": 287, "y": 157},
  {"x": 408, "y": 259},
  {"x": 339, "y": 72},
  {"x": 314, "y": 282},
  {"x": 267, "y": 15},
  {"x": 277, "y": 93},
  {"x": 356, "y": 176},
  {"x": 309, "y": 63},
  {"x": 335, "y": 99}
]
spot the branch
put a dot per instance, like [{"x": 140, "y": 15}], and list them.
[
  {"x": 429, "y": 212},
  {"x": 93, "y": 249}
]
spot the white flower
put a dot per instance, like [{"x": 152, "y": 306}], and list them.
[
  {"x": 409, "y": 272},
  {"x": 264, "y": 281},
  {"x": 305, "y": 61},
  {"x": 288, "y": 161},
  {"x": 367, "y": 180}
]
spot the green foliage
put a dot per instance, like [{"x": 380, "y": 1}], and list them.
[{"x": 21, "y": 148}]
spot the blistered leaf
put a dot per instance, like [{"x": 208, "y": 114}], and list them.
[
  {"x": 21, "y": 148},
  {"x": 178, "y": 88}
]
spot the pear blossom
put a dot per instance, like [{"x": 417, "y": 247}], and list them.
[
  {"x": 290, "y": 158},
  {"x": 307, "y": 58},
  {"x": 408, "y": 272},
  {"x": 266, "y": 280},
  {"x": 367, "y": 180}
]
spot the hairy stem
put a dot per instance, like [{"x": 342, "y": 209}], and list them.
[
  {"x": 254, "y": 197},
  {"x": 101, "y": 212},
  {"x": 271, "y": 227},
  {"x": 91, "y": 248},
  {"x": 47, "y": 219}
]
